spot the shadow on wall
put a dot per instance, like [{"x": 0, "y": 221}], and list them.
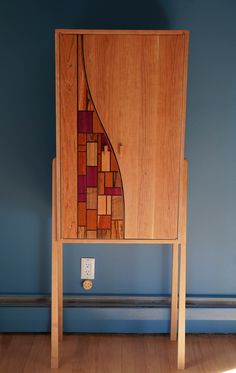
[{"x": 27, "y": 105}]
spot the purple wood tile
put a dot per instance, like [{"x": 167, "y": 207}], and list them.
[
  {"x": 85, "y": 121},
  {"x": 104, "y": 141},
  {"x": 82, "y": 197},
  {"x": 92, "y": 176},
  {"x": 113, "y": 191},
  {"x": 82, "y": 184}
]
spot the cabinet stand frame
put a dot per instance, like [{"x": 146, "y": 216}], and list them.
[{"x": 178, "y": 289}]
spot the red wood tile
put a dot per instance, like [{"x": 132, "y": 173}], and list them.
[
  {"x": 104, "y": 221},
  {"x": 82, "y": 213},
  {"x": 91, "y": 219},
  {"x": 82, "y": 138},
  {"x": 82, "y": 163}
]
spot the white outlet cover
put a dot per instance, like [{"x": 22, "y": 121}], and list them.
[{"x": 87, "y": 268}]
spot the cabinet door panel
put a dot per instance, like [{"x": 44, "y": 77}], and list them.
[
  {"x": 136, "y": 83},
  {"x": 68, "y": 125}
]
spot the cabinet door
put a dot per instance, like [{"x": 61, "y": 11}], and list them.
[
  {"x": 136, "y": 83},
  {"x": 121, "y": 135}
]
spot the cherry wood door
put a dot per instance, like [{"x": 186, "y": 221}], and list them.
[{"x": 122, "y": 134}]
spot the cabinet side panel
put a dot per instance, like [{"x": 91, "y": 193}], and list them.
[
  {"x": 136, "y": 83},
  {"x": 68, "y": 118}
]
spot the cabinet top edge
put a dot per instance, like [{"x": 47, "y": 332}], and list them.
[{"x": 121, "y": 32}]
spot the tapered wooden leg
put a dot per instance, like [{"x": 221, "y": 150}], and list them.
[
  {"x": 60, "y": 289},
  {"x": 182, "y": 284},
  {"x": 55, "y": 279},
  {"x": 174, "y": 292}
]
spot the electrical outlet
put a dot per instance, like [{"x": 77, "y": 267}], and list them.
[{"x": 87, "y": 268}]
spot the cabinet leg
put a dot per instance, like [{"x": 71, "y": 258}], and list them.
[
  {"x": 182, "y": 310},
  {"x": 55, "y": 280},
  {"x": 60, "y": 289},
  {"x": 182, "y": 285},
  {"x": 174, "y": 292}
]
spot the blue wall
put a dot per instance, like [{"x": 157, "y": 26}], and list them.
[{"x": 27, "y": 146}]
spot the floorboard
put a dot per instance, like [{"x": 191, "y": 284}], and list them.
[{"x": 109, "y": 353}]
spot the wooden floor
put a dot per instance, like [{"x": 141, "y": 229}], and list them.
[{"x": 30, "y": 353}]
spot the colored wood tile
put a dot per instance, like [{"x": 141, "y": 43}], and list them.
[
  {"x": 104, "y": 222},
  {"x": 91, "y": 219},
  {"x": 114, "y": 166},
  {"x": 102, "y": 205},
  {"x": 82, "y": 92},
  {"x": 82, "y": 197},
  {"x": 115, "y": 191},
  {"x": 106, "y": 159},
  {"x": 82, "y": 139},
  {"x": 101, "y": 177},
  {"x": 117, "y": 231},
  {"x": 117, "y": 207},
  {"x": 91, "y": 154},
  {"x": 82, "y": 148},
  {"x": 81, "y": 232},
  {"x": 99, "y": 142},
  {"x": 82, "y": 213},
  {"x": 92, "y": 137},
  {"x": 82, "y": 163},
  {"x": 104, "y": 141},
  {"x": 92, "y": 176},
  {"x": 92, "y": 234},
  {"x": 92, "y": 198},
  {"x": 104, "y": 234},
  {"x": 108, "y": 205},
  {"x": 108, "y": 179},
  {"x": 116, "y": 179},
  {"x": 89, "y": 104},
  {"x": 99, "y": 162},
  {"x": 82, "y": 184},
  {"x": 97, "y": 128},
  {"x": 85, "y": 121}
]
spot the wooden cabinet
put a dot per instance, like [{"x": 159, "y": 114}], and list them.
[
  {"x": 119, "y": 174},
  {"x": 121, "y": 106}
]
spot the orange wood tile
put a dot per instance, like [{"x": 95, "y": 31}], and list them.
[
  {"x": 102, "y": 205},
  {"x": 81, "y": 232},
  {"x": 108, "y": 179},
  {"x": 106, "y": 159},
  {"x": 104, "y": 222},
  {"x": 99, "y": 143},
  {"x": 82, "y": 213},
  {"x": 91, "y": 219},
  {"x": 97, "y": 128},
  {"x": 117, "y": 229},
  {"x": 92, "y": 198},
  {"x": 99, "y": 162},
  {"x": 104, "y": 233},
  {"x": 116, "y": 179},
  {"x": 89, "y": 104},
  {"x": 108, "y": 205},
  {"x": 114, "y": 166},
  {"x": 91, "y": 234},
  {"x": 92, "y": 154},
  {"x": 117, "y": 207},
  {"x": 82, "y": 163}
]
